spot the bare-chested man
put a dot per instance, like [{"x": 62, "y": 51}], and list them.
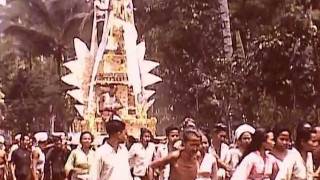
[{"x": 183, "y": 163}]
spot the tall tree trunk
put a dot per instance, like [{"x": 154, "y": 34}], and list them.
[
  {"x": 226, "y": 30},
  {"x": 58, "y": 57}
]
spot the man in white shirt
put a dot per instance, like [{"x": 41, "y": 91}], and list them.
[
  {"x": 141, "y": 155},
  {"x": 219, "y": 149},
  {"x": 14, "y": 146},
  {"x": 173, "y": 135},
  {"x": 112, "y": 158}
]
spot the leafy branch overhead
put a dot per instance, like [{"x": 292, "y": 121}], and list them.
[{"x": 272, "y": 76}]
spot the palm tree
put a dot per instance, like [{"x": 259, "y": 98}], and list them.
[
  {"x": 226, "y": 31},
  {"x": 38, "y": 34},
  {"x": 45, "y": 28}
]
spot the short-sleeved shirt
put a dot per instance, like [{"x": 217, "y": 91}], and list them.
[
  {"x": 254, "y": 167},
  {"x": 208, "y": 164},
  {"x": 294, "y": 167},
  {"x": 21, "y": 158},
  {"x": 141, "y": 158},
  {"x": 110, "y": 164}
]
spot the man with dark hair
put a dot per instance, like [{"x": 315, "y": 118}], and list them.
[
  {"x": 141, "y": 155},
  {"x": 21, "y": 160},
  {"x": 183, "y": 163},
  {"x": 219, "y": 148},
  {"x": 172, "y": 134},
  {"x": 112, "y": 158},
  {"x": 114, "y": 127},
  {"x": 56, "y": 158},
  {"x": 188, "y": 123}
]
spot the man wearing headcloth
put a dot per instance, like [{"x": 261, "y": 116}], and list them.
[{"x": 38, "y": 156}]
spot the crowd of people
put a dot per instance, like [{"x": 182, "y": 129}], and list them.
[{"x": 187, "y": 153}]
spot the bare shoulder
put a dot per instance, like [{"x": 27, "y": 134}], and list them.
[
  {"x": 35, "y": 153},
  {"x": 2, "y": 153},
  {"x": 174, "y": 154}
]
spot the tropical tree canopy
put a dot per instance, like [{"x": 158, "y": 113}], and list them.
[{"x": 272, "y": 76}]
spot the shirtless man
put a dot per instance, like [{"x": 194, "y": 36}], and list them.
[
  {"x": 173, "y": 135},
  {"x": 38, "y": 156},
  {"x": 183, "y": 163}
]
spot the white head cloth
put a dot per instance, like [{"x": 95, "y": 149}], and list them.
[
  {"x": 1, "y": 139},
  {"x": 242, "y": 129},
  {"x": 41, "y": 136}
]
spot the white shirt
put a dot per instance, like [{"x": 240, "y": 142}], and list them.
[
  {"x": 208, "y": 164},
  {"x": 163, "y": 151},
  {"x": 254, "y": 167},
  {"x": 141, "y": 158},
  {"x": 41, "y": 160},
  {"x": 293, "y": 167},
  {"x": 13, "y": 148},
  {"x": 81, "y": 160},
  {"x": 110, "y": 164},
  {"x": 224, "y": 148},
  {"x": 233, "y": 157}
]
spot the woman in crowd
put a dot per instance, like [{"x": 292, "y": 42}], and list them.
[
  {"x": 300, "y": 163},
  {"x": 256, "y": 163},
  {"x": 243, "y": 138},
  {"x": 208, "y": 165},
  {"x": 281, "y": 151},
  {"x": 81, "y": 159}
]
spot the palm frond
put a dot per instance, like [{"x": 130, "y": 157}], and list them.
[
  {"x": 73, "y": 27},
  {"x": 32, "y": 41}
]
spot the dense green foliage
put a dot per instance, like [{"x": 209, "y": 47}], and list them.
[{"x": 276, "y": 79}]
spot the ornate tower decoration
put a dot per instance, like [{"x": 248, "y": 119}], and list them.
[{"x": 111, "y": 78}]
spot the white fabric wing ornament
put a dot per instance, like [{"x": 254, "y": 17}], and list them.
[
  {"x": 147, "y": 66},
  {"x": 80, "y": 109},
  {"x": 72, "y": 79},
  {"x": 77, "y": 94},
  {"x": 147, "y": 94},
  {"x": 149, "y": 104},
  {"x": 80, "y": 73},
  {"x": 149, "y": 79},
  {"x": 130, "y": 39}
]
